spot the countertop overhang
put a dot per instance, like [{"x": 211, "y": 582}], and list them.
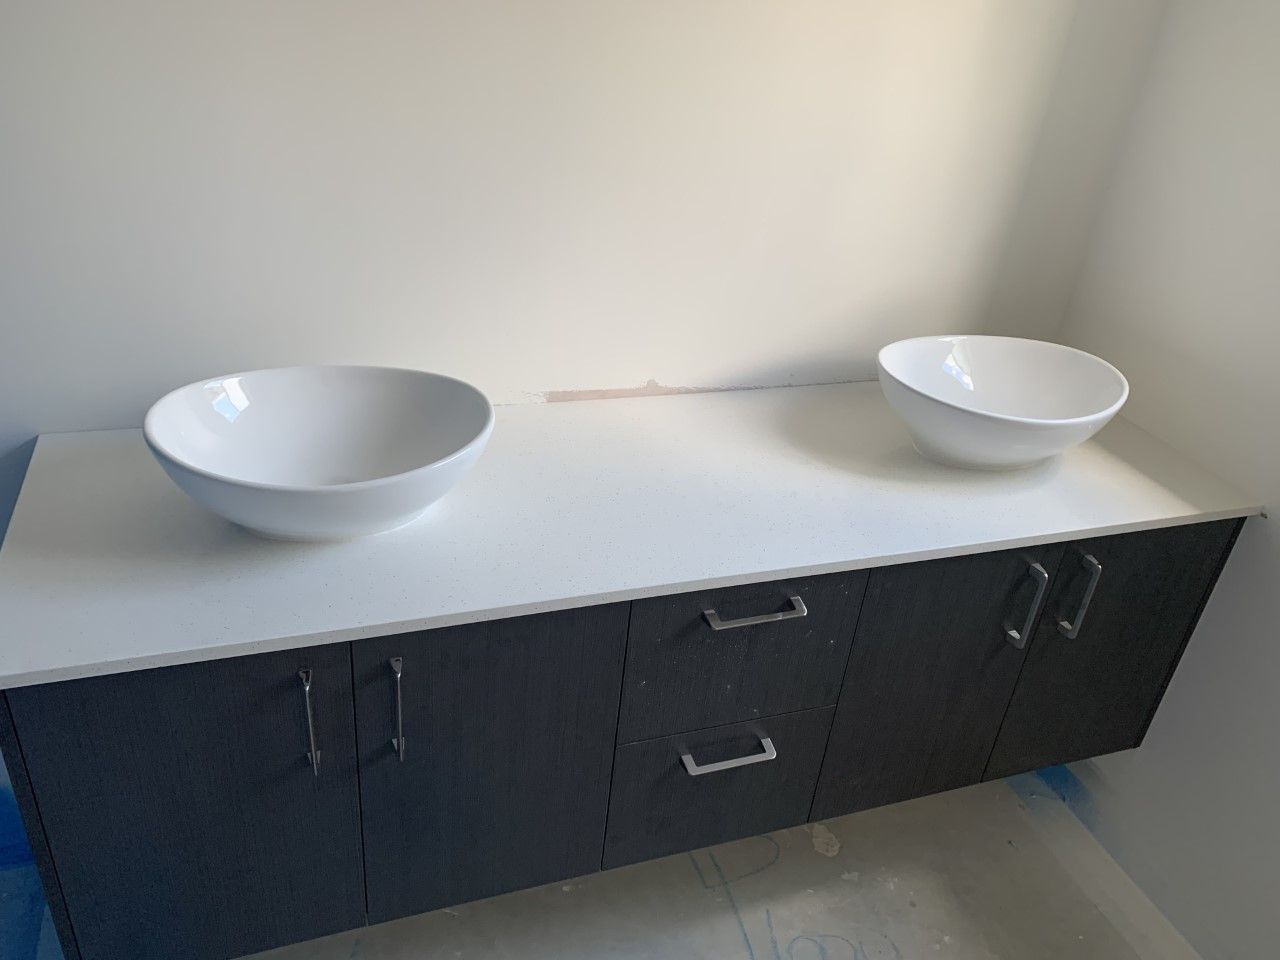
[{"x": 108, "y": 567}]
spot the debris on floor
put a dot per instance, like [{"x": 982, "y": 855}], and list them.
[{"x": 1000, "y": 870}]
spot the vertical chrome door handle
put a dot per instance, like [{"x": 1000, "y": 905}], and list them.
[
  {"x": 1071, "y": 628},
  {"x": 397, "y": 742},
  {"x": 798, "y": 609},
  {"x": 694, "y": 770},
  {"x": 313, "y": 756},
  {"x": 1019, "y": 637}
]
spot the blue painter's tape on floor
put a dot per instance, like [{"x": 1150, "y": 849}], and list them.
[
  {"x": 24, "y": 917},
  {"x": 14, "y": 849},
  {"x": 1065, "y": 784},
  {"x": 26, "y": 930},
  {"x": 1062, "y": 783}
]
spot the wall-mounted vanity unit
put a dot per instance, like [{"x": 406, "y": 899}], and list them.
[{"x": 640, "y": 627}]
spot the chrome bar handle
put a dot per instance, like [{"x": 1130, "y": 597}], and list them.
[
  {"x": 1019, "y": 637},
  {"x": 694, "y": 770},
  {"x": 313, "y": 756},
  {"x": 798, "y": 609},
  {"x": 1071, "y": 629},
  {"x": 397, "y": 742}
]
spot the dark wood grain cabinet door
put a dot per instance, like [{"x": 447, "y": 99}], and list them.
[
  {"x": 1096, "y": 671},
  {"x": 929, "y": 677},
  {"x": 508, "y": 732},
  {"x": 182, "y": 812}
]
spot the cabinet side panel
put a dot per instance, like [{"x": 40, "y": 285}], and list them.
[{"x": 1236, "y": 526}]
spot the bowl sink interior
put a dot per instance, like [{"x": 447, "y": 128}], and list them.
[
  {"x": 318, "y": 426},
  {"x": 1007, "y": 376}
]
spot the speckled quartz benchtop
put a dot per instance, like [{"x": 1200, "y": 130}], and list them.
[{"x": 108, "y": 567}]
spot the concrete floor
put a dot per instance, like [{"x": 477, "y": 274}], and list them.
[{"x": 1001, "y": 870}]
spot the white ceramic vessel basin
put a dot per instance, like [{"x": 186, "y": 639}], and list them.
[
  {"x": 321, "y": 452},
  {"x": 996, "y": 403}
]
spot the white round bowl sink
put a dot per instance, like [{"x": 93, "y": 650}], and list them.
[
  {"x": 320, "y": 452},
  {"x": 995, "y": 403}
]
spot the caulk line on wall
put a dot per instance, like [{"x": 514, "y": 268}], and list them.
[{"x": 652, "y": 388}]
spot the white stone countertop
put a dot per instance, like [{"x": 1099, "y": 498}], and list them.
[{"x": 108, "y": 567}]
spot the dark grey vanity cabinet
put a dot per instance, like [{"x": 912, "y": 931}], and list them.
[
  {"x": 1120, "y": 613},
  {"x": 182, "y": 812},
  {"x": 216, "y": 809},
  {"x": 937, "y": 653},
  {"x": 508, "y": 737}
]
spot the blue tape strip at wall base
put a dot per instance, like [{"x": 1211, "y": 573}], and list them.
[
  {"x": 1062, "y": 783},
  {"x": 14, "y": 851},
  {"x": 15, "y": 854}
]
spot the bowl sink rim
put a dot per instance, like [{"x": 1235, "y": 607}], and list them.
[
  {"x": 164, "y": 452},
  {"x": 1105, "y": 413}
]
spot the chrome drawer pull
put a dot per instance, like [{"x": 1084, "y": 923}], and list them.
[
  {"x": 397, "y": 742},
  {"x": 313, "y": 756},
  {"x": 696, "y": 771},
  {"x": 1071, "y": 629},
  {"x": 1019, "y": 637},
  {"x": 798, "y": 610}
]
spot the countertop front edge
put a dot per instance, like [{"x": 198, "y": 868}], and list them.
[{"x": 458, "y": 617}]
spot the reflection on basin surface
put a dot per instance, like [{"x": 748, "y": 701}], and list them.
[
  {"x": 996, "y": 403},
  {"x": 320, "y": 452}
]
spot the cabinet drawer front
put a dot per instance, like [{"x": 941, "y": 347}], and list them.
[
  {"x": 685, "y": 674},
  {"x": 182, "y": 811},
  {"x": 660, "y": 806}
]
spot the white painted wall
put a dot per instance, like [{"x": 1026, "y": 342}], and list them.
[
  {"x": 1182, "y": 291},
  {"x": 549, "y": 196}
]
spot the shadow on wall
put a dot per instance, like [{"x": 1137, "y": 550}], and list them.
[
  {"x": 1046, "y": 234},
  {"x": 13, "y": 467},
  {"x": 1023, "y": 283},
  {"x": 788, "y": 171}
]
